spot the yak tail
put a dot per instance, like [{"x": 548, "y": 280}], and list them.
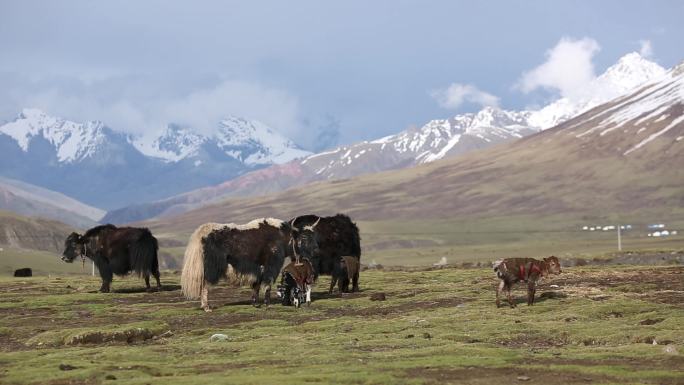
[
  {"x": 192, "y": 277},
  {"x": 144, "y": 254}
]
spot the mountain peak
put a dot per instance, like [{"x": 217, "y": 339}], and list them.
[{"x": 630, "y": 71}]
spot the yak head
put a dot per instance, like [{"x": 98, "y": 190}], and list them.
[
  {"x": 305, "y": 240},
  {"x": 74, "y": 246},
  {"x": 553, "y": 264}
]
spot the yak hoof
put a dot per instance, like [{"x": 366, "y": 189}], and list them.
[{"x": 207, "y": 309}]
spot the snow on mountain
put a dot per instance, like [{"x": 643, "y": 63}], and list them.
[
  {"x": 254, "y": 143},
  {"x": 106, "y": 168},
  {"x": 631, "y": 71},
  {"x": 651, "y": 111},
  {"x": 72, "y": 141},
  {"x": 173, "y": 144},
  {"x": 435, "y": 140},
  {"x": 250, "y": 142}
]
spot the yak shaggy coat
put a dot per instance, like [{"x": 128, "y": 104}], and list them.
[
  {"x": 116, "y": 250},
  {"x": 336, "y": 236},
  {"x": 257, "y": 249},
  {"x": 530, "y": 270}
]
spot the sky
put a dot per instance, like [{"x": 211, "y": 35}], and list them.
[{"x": 320, "y": 72}]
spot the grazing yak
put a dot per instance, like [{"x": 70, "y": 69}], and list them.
[
  {"x": 346, "y": 270},
  {"x": 336, "y": 236},
  {"x": 530, "y": 270},
  {"x": 257, "y": 249},
  {"x": 116, "y": 250},
  {"x": 296, "y": 283},
  {"x": 23, "y": 272}
]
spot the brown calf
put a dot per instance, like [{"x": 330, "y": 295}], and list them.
[
  {"x": 296, "y": 283},
  {"x": 530, "y": 270},
  {"x": 345, "y": 271}
]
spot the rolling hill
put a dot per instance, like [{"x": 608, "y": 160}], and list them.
[
  {"x": 19, "y": 232},
  {"x": 29, "y": 200}
]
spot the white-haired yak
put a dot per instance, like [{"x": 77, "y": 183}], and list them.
[{"x": 257, "y": 250}]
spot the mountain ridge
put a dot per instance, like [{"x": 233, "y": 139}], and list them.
[{"x": 435, "y": 140}]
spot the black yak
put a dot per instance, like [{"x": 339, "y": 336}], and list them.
[
  {"x": 337, "y": 236},
  {"x": 530, "y": 270},
  {"x": 257, "y": 250},
  {"x": 24, "y": 272},
  {"x": 116, "y": 250}
]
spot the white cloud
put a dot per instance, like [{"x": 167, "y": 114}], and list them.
[
  {"x": 457, "y": 94},
  {"x": 568, "y": 68},
  {"x": 148, "y": 111},
  {"x": 646, "y": 48}
]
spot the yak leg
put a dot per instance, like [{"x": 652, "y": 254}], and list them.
[
  {"x": 510, "y": 298},
  {"x": 147, "y": 282},
  {"x": 204, "y": 297},
  {"x": 499, "y": 291},
  {"x": 155, "y": 273},
  {"x": 256, "y": 286},
  {"x": 355, "y": 282},
  {"x": 531, "y": 289},
  {"x": 332, "y": 283},
  {"x": 156, "y": 276},
  {"x": 106, "y": 275},
  {"x": 267, "y": 295},
  {"x": 308, "y": 295}
]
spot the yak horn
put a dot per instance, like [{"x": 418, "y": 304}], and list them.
[{"x": 312, "y": 227}]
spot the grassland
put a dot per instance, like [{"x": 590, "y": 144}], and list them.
[
  {"x": 596, "y": 326},
  {"x": 41, "y": 262}
]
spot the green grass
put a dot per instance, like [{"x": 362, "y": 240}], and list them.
[
  {"x": 41, "y": 262},
  {"x": 435, "y": 327}
]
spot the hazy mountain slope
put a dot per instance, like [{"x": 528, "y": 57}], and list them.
[
  {"x": 34, "y": 201},
  {"x": 436, "y": 140},
  {"x": 20, "y": 232},
  {"x": 620, "y": 158}
]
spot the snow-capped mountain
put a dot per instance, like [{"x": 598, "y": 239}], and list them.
[
  {"x": 435, "y": 140},
  {"x": 631, "y": 71},
  {"x": 73, "y": 142},
  {"x": 652, "y": 115},
  {"x": 104, "y": 168},
  {"x": 250, "y": 142}
]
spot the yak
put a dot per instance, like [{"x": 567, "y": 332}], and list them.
[
  {"x": 257, "y": 250},
  {"x": 23, "y": 272},
  {"x": 116, "y": 250},
  {"x": 530, "y": 270},
  {"x": 337, "y": 236},
  {"x": 345, "y": 272},
  {"x": 296, "y": 282}
]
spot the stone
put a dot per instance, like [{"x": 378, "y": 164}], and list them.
[{"x": 218, "y": 338}]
